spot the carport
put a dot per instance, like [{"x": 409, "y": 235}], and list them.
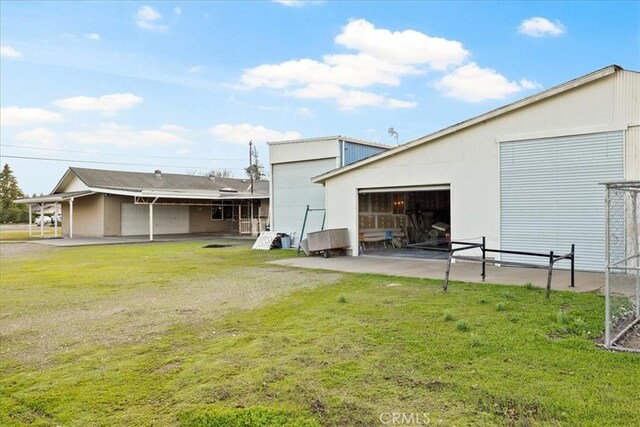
[{"x": 54, "y": 200}]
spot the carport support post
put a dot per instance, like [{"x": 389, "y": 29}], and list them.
[
  {"x": 41, "y": 219},
  {"x": 151, "y": 222},
  {"x": 71, "y": 218},
  {"x": 30, "y": 220},
  {"x": 55, "y": 219}
]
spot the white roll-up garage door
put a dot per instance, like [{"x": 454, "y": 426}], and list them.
[
  {"x": 293, "y": 191},
  {"x": 551, "y": 197},
  {"x": 134, "y": 219}
]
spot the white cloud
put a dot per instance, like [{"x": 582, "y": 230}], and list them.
[
  {"x": 382, "y": 57},
  {"x": 541, "y": 27},
  {"x": 474, "y": 84},
  {"x": 92, "y": 36},
  {"x": 124, "y": 136},
  {"x": 108, "y": 104},
  {"x": 9, "y": 52},
  {"x": 401, "y": 47},
  {"x": 172, "y": 128},
  {"x": 298, "y": 3},
  {"x": 196, "y": 69},
  {"x": 147, "y": 18},
  {"x": 243, "y": 133},
  {"x": 528, "y": 84},
  {"x": 16, "y": 116},
  {"x": 304, "y": 112},
  {"x": 177, "y": 10},
  {"x": 38, "y": 136}
]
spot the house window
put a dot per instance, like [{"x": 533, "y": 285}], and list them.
[{"x": 222, "y": 210}]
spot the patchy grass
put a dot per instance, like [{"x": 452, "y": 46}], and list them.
[
  {"x": 135, "y": 335},
  {"x": 23, "y": 235}
]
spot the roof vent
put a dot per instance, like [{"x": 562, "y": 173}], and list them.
[
  {"x": 228, "y": 190},
  {"x": 158, "y": 173}
]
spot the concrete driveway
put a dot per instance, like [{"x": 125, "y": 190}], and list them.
[{"x": 460, "y": 271}]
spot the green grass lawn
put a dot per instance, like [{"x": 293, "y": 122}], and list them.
[
  {"x": 175, "y": 334},
  {"x": 11, "y": 235}
]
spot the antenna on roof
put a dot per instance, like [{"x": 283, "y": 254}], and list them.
[{"x": 392, "y": 132}]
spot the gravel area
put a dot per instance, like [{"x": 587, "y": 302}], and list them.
[
  {"x": 12, "y": 250},
  {"x": 35, "y": 332}
]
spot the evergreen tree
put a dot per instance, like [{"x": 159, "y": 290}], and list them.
[{"x": 9, "y": 191}]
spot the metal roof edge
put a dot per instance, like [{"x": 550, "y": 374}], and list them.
[
  {"x": 331, "y": 138},
  {"x": 553, "y": 91},
  {"x": 49, "y": 198}
]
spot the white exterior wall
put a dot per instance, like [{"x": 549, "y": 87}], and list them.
[
  {"x": 301, "y": 151},
  {"x": 75, "y": 184},
  {"x": 296, "y": 157},
  {"x": 469, "y": 159}
]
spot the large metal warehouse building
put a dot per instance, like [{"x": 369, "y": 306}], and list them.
[{"x": 526, "y": 175}]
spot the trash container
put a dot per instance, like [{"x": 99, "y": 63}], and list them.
[{"x": 286, "y": 241}]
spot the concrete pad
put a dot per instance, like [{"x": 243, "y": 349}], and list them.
[{"x": 460, "y": 271}]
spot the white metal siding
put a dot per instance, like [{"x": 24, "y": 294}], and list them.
[
  {"x": 551, "y": 197},
  {"x": 166, "y": 219},
  {"x": 293, "y": 191}
]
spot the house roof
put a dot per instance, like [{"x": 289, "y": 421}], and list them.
[
  {"x": 556, "y": 90},
  {"x": 110, "y": 179},
  {"x": 166, "y": 185},
  {"x": 52, "y": 198}
]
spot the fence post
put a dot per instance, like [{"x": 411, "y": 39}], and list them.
[
  {"x": 484, "y": 255},
  {"x": 607, "y": 257},
  {"x": 573, "y": 271},
  {"x": 446, "y": 274},
  {"x": 549, "y": 275}
]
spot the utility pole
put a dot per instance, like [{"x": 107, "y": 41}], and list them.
[{"x": 251, "y": 163}]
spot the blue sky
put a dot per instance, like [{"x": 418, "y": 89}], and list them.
[{"x": 184, "y": 86}]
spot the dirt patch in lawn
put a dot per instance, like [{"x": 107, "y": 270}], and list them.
[
  {"x": 144, "y": 313},
  {"x": 10, "y": 250},
  {"x": 632, "y": 338}
]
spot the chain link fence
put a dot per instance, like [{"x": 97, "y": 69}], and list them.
[{"x": 622, "y": 245}]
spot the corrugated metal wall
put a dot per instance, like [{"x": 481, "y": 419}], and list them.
[
  {"x": 354, "y": 152},
  {"x": 551, "y": 197},
  {"x": 632, "y": 154},
  {"x": 293, "y": 190}
]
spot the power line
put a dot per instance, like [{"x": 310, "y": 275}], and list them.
[
  {"x": 49, "y": 159},
  {"x": 28, "y": 147}
]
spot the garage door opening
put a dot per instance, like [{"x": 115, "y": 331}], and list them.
[{"x": 390, "y": 220}]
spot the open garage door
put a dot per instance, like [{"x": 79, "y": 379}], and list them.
[
  {"x": 551, "y": 195},
  {"x": 391, "y": 218},
  {"x": 166, "y": 219}
]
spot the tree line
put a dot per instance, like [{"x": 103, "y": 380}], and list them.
[{"x": 10, "y": 211}]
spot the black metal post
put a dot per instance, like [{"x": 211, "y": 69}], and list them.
[
  {"x": 446, "y": 274},
  {"x": 548, "y": 293},
  {"x": 304, "y": 223},
  {"x": 484, "y": 257},
  {"x": 573, "y": 257}
]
